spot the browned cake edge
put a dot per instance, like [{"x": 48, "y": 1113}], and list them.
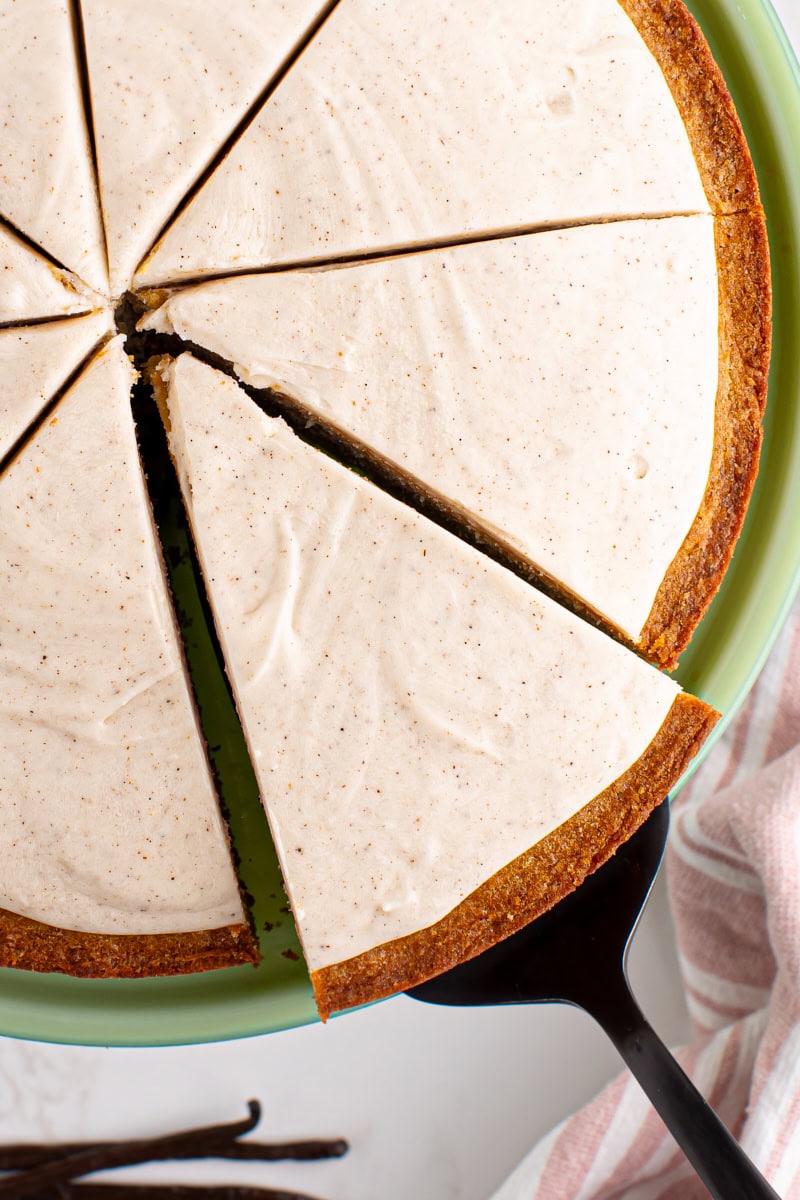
[
  {"x": 34, "y": 946},
  {"x": 678, "y": 45},
  {"x": 533, "y": 882},
  {"x": 745, "y": 320}
]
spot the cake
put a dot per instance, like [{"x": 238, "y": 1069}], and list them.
[
  {"x": 392, "y": 224},
  {"x": 397, "y": 156}
]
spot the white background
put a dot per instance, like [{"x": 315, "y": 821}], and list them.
[{"x": 437, "y": 1103}]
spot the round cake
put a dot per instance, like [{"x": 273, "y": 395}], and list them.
[{"x": 457, "y": 322}]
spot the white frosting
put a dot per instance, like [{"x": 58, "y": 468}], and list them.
[
  {"x": 406, "y": 123},
  {"x": 30, "y": 287},
  {"x": 167, "y": 88},
  {"x": 560, "y": 386},
  {"x": 35, "y": 362},
  {"x": 417, "y": 716},
  {"x": 108, "y": 819},
  {"x": 47, "y": 187}
]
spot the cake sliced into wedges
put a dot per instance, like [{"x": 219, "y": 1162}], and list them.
[
  {"x": 443, "y": 752},
  {"x": 37, "y": 360},
  {"x": 407, "y": 124},
  {"x": 114, "y": 859},
  {"x": 524, "y": 385},
  {"x": 47, "y": 184},
  {"x": 167, "y": 90}
]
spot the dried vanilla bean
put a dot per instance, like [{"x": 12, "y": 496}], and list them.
[
  {"x": 24, "y": 1155},
  {"x": 48, "y": 1175},
  {"x": 166, "y": 1191}
]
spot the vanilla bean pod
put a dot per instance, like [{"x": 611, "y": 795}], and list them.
[
  {"x": 23, "y": 1156},
  {"x": 47, "y": 1176},
  {"x": 166, "y": 1191}
]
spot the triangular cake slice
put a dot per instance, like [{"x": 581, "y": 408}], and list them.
[
  {"x": 32, "y": 288},
  {"x": 115, "y": 860},
  {"x": 196, "y": 73},
  {"x": 38, "y": 360},
  {"x": 406, "y": 124},
  {"x": 47, "y": 185},
  {"x": 608, "y": 444},
  {"x": 443, "y": 752}
]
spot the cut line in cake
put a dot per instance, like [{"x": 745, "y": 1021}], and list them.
[
  {"x": 153, "y": 294},
  {"x": 79, "y": 40}
]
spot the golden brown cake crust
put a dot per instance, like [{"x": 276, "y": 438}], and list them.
[
  {"x": 745, "y": 301},
  {"x": 676, "y": 41},
  {"x": 745, "y": 318},
  {"x": 34, "y": 946},
  {"x": 532, "y": 883}
]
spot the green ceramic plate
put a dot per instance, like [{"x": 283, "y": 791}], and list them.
[
  {"x": 722, "y": 662},
  {"x": 729, "y": 648}
]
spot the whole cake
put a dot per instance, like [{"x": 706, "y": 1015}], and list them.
[{"x": 507, "y": 264}]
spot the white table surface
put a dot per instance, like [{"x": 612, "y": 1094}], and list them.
[{"x": 438, "y": 1104}]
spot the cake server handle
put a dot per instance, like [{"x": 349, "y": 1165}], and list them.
[{"x": 714, "y": 1153}]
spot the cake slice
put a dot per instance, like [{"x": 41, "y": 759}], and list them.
[
  {"x": 524, "y": 384},
  {"x": 36, "y": 361},
  {"x": 406, "y": 124},
  {"x": 167, "y": 90},
  {"x": 114, "y": 859},
  {"x": 47, "y": 186},
  {"x": 32, "y": 288},
  {"x": 442, "y": 752}
]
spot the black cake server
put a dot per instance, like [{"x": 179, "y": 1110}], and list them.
[{"x": 577, "y": 954}]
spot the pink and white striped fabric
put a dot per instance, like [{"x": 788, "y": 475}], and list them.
[{"x": 733, "y": 869}]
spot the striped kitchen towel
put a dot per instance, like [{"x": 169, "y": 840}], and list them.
[{"x": 733, "y": 870}]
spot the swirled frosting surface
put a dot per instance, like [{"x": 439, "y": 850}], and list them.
[{"x": 108, "y": 817}]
